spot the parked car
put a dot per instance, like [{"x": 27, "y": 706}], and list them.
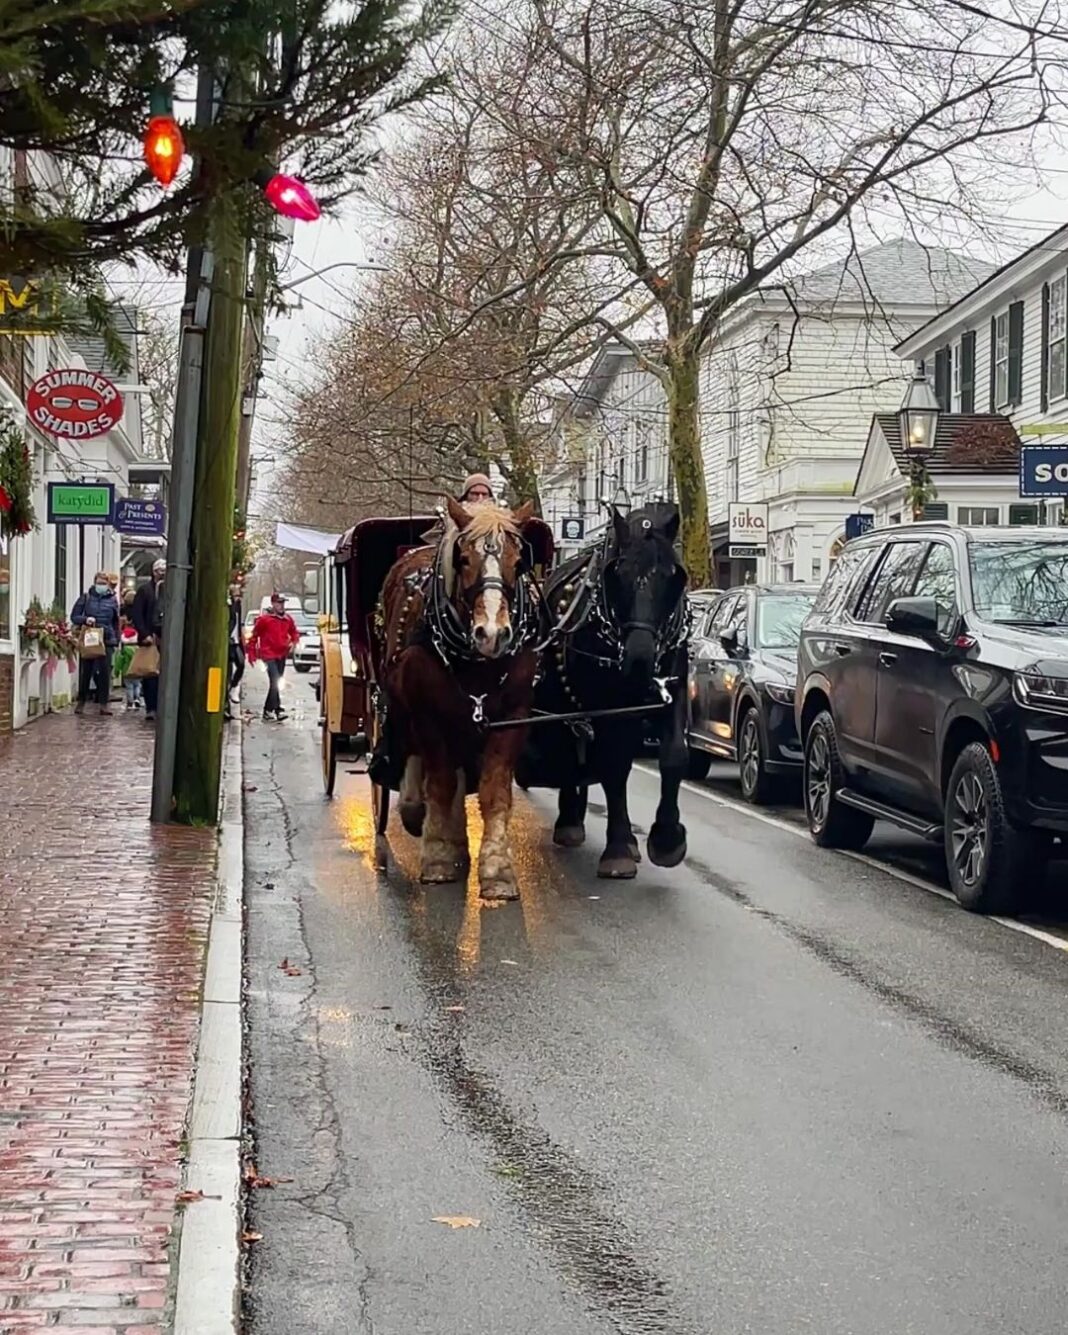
[
  {"x": 306, "y": 652},
  {"x": 743, "y": 666},
  {"x": 933, "y": 693}
]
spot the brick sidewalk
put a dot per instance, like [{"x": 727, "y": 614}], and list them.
[{"x": 103, "y": 924}]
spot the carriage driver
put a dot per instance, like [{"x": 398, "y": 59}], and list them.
[{"x": 477, "y": 489}]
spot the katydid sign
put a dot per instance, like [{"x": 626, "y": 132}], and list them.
[{"x": 74, "y": 405}]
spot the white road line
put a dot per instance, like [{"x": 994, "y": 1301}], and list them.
[{"x": 1047, "y": 938}]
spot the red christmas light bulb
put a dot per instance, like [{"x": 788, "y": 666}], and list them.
[
  {"x": 164, "y": 148},
  {"x": 291, "y": 198}
]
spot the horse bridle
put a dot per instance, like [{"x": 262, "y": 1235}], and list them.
[{"x": 451, "y": 637}]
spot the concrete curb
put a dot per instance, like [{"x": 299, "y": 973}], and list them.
[{"x": 208, "y": 1299}]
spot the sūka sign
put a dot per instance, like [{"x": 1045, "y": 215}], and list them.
[
  {"x": 747, "y": 528},
  {"x": 74, "y": 405}
]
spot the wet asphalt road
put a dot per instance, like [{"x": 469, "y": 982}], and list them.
[{"x": 775, "y": 1090}]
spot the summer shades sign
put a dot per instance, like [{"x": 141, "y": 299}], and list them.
[
  {"x": 80, "y": 502},
  {"x": 74, "y": 405}
]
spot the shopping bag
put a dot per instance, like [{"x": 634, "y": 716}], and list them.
[
  {"x": 91, "y": 643},
  {"x": 145, "y": 662}
]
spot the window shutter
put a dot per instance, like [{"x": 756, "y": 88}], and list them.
[
  {"x": 936, "y": 510},
  {"x": 1016, "y": 314},
  {"x": 941, "y": 385},
  {"x": 967, "y": 372},
  {"x": 1045, "y": 349},
  {"x": 993, "y": 367}
]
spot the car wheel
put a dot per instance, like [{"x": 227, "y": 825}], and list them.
[
  {"x": 302, "y": 667},
  {"x": 698, "y": 763},
  {"x": 831, "y": 824},
  {"x": 993, "y": 867},
  {"x": 756, "y": 782}
]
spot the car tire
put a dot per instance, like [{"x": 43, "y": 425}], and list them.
[
  {"x": 993, "y": 866},
  {"x": 830, "y": 823},
  {"x": 757, "y": 784},
  {"x": 698, "y": 764},
  {"x": 302, "y": 667}
]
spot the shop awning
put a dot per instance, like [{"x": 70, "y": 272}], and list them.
[{"x": 294, "y": 538}]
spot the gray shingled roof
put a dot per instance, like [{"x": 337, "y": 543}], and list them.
[
  {"x": 92, "y": 350},
  {"x": 951, "y": 431},
  {"x": 898, "y": 273}
]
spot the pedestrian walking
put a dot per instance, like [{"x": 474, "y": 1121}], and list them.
[
  {"x": 273, "y": 637},
  {"x": 131, "y": 685},
  {"x": 236, "y": 647},
  {"x": 146, "y": 612},
  {"x": 96, "y": 610}
]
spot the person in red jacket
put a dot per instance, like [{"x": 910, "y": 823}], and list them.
[{"x": 273, "y": 636}]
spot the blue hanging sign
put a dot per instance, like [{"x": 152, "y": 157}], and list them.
[
  {"x": 857, "y": 524},
  {"x": 140, "y": 519},
  {"x": 1044, "y": 470}
]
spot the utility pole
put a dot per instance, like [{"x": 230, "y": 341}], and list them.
[
  {"x": 198, "y": 754},
  {"x": 253, "y": 364},
  {"x": 183, "y": 465}
]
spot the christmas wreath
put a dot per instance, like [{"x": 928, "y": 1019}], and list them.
[{"x": 16, "y": 482}]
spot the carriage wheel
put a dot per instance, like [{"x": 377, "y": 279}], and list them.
[
  {"x": 379, "y": 798},
  {"x": 329, "y": 754}
]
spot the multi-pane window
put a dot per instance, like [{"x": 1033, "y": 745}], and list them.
[
  {"x": 61, "y": 567},
  {"x": 978, "y": 516},
  {"x": 1001, "y": 360},
  {"x": 733, "y": 434},
  {"x": 955, "y": 368},
  {"x": 641, "y": 453},
  {"x": 1056, "y": 329}
]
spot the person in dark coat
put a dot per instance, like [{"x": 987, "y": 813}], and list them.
[
  {"x": 97, "y": 607},
  {"x": 236, "y": 647},
  {"x": 147, "y": 616}
]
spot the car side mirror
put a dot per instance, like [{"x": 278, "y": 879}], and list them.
[{"x": 914, "y": 616}]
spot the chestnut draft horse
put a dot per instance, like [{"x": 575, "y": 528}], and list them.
[{"x": 460, "y": 622}]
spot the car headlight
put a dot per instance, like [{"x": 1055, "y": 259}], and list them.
[
  {"x": 782, "y": 692},
  {"x": 1036, "y": 691}
]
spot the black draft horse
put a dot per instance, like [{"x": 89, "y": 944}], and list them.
[{"x": 622, "y": 627}]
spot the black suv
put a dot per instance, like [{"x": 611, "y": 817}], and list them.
[
  {"x": 933, "y": 692},
  {"x": 743, "y": 665}
]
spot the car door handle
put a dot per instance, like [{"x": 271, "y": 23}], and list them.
[
  {"x": 842, "y": 649},
  {"x": 887, "y": 659}
]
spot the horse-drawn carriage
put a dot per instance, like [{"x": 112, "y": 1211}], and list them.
[{"x": 584, "y": 655}]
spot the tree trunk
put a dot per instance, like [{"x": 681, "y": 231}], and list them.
[
  {"x": 687, "y": 466},
  {"x": 522, "y": 465}
]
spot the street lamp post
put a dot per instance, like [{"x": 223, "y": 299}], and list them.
[{"x": 918, "y": 423}]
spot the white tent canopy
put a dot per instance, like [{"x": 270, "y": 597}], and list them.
[{"x": 296, "y": 539}]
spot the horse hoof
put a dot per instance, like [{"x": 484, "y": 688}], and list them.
[
  {"x": 412, "y": 815},
  {"x": 440, "y": 873},
  {"x": 667, "y": 847},
  {"x": 621, "y": 868},
  {"x": 569, "y": 836},
  {"x": 499, "y": 889},
  {"x": 634, "y": 850}
]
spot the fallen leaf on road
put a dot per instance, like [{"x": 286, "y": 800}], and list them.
[
  {"x": 191, "y": 1196},
  {"x": 455, "y": 1008},
  {"x": 290, "y": 969},
  {"x": 251, "y": 1237},
  {"x": 267, "y": 1181},
  {"x": 457, "y": 1220},
  {"x": 249, "y": 788}
]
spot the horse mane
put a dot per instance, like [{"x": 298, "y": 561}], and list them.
[{"x": 488, "y": 520}]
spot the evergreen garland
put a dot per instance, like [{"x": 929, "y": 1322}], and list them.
[{"x": 16, "y": 482}]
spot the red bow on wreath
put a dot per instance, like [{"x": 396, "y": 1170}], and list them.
[{"x": 5, "y": 501}]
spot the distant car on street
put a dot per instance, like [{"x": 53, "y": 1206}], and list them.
[
  {"x": 306, "y": 652},
  {"x": 933, "y": 693},
  {"x": 743, "y": 665}
]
